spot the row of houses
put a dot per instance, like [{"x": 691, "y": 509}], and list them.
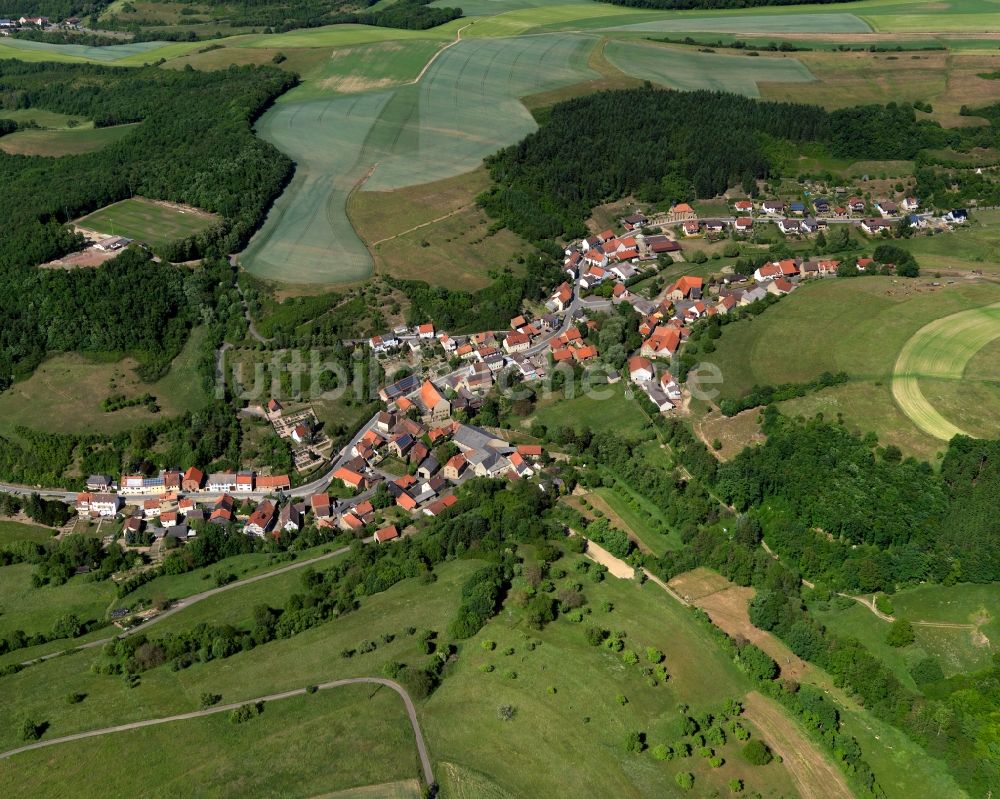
[{"x": 190, "y": 481}]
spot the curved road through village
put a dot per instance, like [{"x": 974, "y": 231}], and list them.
[{"x": 425, "y": 761}]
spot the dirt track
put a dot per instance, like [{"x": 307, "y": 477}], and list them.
[{"x": 814, "y": 775}]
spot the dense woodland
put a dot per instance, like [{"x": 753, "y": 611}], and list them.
[
  {"x": 668, "y": 146},
  {"x": 192, "y": 144}
]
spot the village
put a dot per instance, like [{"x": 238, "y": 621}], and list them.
[{"x": 408, "y": 458}]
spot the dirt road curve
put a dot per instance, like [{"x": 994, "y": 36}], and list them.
[
  {"x": 425, "y": 761},
  {"x": 814, "y": 776}
]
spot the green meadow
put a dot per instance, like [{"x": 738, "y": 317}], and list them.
[
  {"x": 335, "y": 739},
  {"x": 68, "y": 141},
  {"x": 34, "y": 610}
]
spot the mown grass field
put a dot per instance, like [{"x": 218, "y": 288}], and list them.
[
  {"x": 64, "y": 394},
  {"x": 34, "y": 610},
  {"x": 936, "y": 356},
  {"x": 55, "y": 143},
  {"x": 335, "y": 739},
  {"x": 858, "y": 326},
  {"x": 147, "y": 220},
  {"x": 434, "y": 232}
]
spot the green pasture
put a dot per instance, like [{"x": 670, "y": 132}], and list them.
[
  {"x": 606, "y": 408},
  {"x": 304, "y": 659},
  {"x": 340, "y": 35},
  {"x": 303, "y": 746},
  {"x": 463, "y": 109},
  {"x": 640, "y": 516},
  {"x": 148, "y": 221},
  {"x": 903, "y": 768},
  {"x": 12, "y": 532},
  {"x": 858, "y": 326},
  {"x": 958, "y": 649},
  {"x": 34, "y": 610},
  {"x": 63, "y": 141},
  {"x": 574, "y": 709},
  {"x": 688, "y": 70},
  {"x": 172, "y": 587},
  {"x": 44, "y": 118}
]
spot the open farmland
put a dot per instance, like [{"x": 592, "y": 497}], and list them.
[
  {"x": 464, "y": 108},
  {"x": 148, "y": 220},
  {"x": 858, "y": 326},
  {"x": 687, "y": 70},
  {"x": 71, "y": 141},
  {"x": 132, "y": 52}
]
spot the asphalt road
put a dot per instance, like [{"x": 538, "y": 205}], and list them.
[{"x": 411, "y": 711}]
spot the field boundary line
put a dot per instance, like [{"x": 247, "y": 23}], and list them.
[{"x": 194, "y": 714}]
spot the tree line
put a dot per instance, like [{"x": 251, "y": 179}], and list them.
[{"x": 667, "y": 146}]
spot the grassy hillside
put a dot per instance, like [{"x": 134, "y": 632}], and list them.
[{"x": 858, "y": 326}]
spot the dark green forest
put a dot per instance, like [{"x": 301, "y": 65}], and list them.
[
  {"x": 666, "y": 146},
  {"x": 193, "y": 144}
]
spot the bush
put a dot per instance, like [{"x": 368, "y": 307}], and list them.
[
  {"x": 757, "y": 753},
  {"x": 506, "y": 712},
  {"x": 75, "y": 698},
  {"x": 735, "y": 786},
  {"x": 715, "y": 762},
  {"x": 246, "y": 712},
  {"x": 900, "y": 634},
  {"x": 311, "y": 689},
  {"x": 927, "y": 671},
  {"x": 662, "y": 752},
  {"x": 488, "y": 646},
  {"x": 209, "y": 699},
  {"x": 635, "y": 741},
  {"x": 32, "y": 730},
  {"x": 685, "y": 780},
  {"x": 630, "y": 658},
  {"x": 654, "y": 655}
]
